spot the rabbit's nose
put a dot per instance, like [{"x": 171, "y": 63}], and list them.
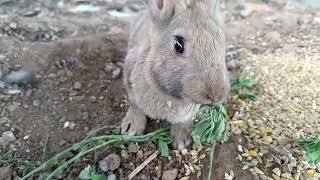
[{"x": 218, "y": 94}]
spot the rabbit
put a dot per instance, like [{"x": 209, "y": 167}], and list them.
[{"x": 175, "y": 62}]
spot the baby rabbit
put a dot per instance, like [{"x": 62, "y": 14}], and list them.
[{"x": 175, "y": 62}]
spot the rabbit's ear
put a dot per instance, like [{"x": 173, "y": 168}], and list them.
[
  {"x": 161, "y": 11},
  {"x": 213, "y": 6}
]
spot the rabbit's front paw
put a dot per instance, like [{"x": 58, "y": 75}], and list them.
[
  {"x": 181, "y": 134},
  {"x": 134, "y": 123}
]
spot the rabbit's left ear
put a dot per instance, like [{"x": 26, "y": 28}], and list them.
[{"x": 161, "y": 11}]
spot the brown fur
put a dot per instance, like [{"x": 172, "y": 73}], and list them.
[{"x": 164, "y": 85}]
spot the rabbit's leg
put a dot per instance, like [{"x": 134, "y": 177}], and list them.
[
  {"x": 134, "y": 122},
  {"x": 181, "y": 133}
]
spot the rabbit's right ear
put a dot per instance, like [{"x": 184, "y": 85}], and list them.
[{"x": 161, "y": 11}]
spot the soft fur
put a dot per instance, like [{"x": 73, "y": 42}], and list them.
[{"x": 164, "y": 85}]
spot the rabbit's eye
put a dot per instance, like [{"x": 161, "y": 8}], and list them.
[{"x": 179, "y": 44}]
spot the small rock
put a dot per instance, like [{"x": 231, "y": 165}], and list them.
[
  {"x": 184, "y": 152},
  {"x": 112, "y": 177},
  {"x": 124, "y": 154},
  {"x": 13, "y": 25},
  {"x": 7, "y": 138},
  {"x": 93, "y": 99},
  {"x": 69, "y": 125},
  {"x": 277, "y": 171},
  {"x": 133, "y": 148},
  {"x": 111, "y": 162},
  {"x": 103, "y": 165},
  {"x": 140, "y": 154},
  {"x": 36, "y": 102},
  {"x": 6, "y": 172},
  {"x": 116, "y": 72},
  {"x": 169, "y": 174},
  {"x": 77, "y": 85},
  {"x": 26, "y": 137}
]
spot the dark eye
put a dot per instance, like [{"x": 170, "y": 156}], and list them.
[{"x": 179, "y": 45}]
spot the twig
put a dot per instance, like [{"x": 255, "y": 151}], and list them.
[{"x": 143, "y": 165}]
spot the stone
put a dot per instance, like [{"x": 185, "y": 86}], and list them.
[
  {"x": 77, "y": 85},
  {"x": 112, "y": 177},
  {"x": 110, "y": 163},
  {"x": 133, "y": 148},
  {"x": 169, "y": 174}
]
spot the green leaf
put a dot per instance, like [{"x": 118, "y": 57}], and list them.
[
  {"x": 95, "y": 176},
  {"x": 85, "y": 173},
  {"x": 163, "y": 148},
  {"x": 116, "y": 131},
  {"x": 312, "y": 148},
  {"x": 241, "y": 82},
  {"x": 250, "y": 96},
  {"x": 199, "y": 131}
]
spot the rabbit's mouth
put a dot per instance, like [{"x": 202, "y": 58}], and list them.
[{"x": 197, "y": 100}]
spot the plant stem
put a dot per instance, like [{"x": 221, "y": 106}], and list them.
[
  {"x": 78, "y": 156},
  {"x": 211, "y": 159}
]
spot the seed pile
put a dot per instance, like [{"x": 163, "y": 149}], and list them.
[{"x": 289, "y": 110}]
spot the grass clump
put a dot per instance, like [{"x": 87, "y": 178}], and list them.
[{"x": 312, "y": 148}]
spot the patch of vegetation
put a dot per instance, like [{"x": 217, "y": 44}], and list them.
[
  {"x": 92, "y": 144},
  {"x": 210, "y": 128},
  {"x": 89, "y": 173},
  {"x": 240, "y": 87},
  {"x": 6, "y": 157},
  {"x": 312, "y": 148}
]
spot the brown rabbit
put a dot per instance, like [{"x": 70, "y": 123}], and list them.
[{"x": 175, "y": 62}]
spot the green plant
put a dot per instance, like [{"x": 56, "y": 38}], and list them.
[
  {"x": 240, "y": 84},
  {"x": 211, "y": 127},
  {"x": 91, "y": 144},
  {"x": 89, "y": 173},
  {"x": 312, "y": 148},
  {"x": 6, "y": 157}
]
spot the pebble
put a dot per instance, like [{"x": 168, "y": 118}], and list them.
[
  {"x": 133, "y": 147},
  {"x": 111, "y": 162},
  {"x": 36, "y": 102},
  {"x": 112, "y": 177},
  {"x": 184, "y": 152},
  {"x": 77, "y": 85},
  {"x": 169, "y": 174},
  {"x": 69, "y": 125},
  {"x": 124, "y": 154},
  {"x": 13, "y": 25},
  {"x": 7, "y": 138},
  {"x": 140, "y": 154},
  {"x": 26, "y": 137},
  {"x": 277, "y": 171},
  {"x": 116, "y": 72},
  {"x": 93, "y": 99}
]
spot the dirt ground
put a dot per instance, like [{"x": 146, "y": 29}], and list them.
[{"x": 76, "y": 51}]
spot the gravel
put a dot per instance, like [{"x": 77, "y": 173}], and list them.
[{"x": 288, "y": 83}]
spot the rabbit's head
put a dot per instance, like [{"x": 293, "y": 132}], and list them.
[{"x": 187, "y": 53}]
